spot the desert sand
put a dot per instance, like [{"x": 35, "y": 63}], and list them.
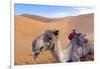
[{"x": 28, "y": 27}]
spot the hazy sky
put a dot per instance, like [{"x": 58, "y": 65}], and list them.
[{"x": 50, "y": 11}]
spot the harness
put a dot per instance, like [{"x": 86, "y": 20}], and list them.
[
  {"x": 78, "y": 41},
  {"x": 52, "y": 44}
]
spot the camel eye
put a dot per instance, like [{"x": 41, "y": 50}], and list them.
[{"x": 49, "y": 37}]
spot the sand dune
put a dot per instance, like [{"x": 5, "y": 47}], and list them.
[
  {"x": 28, "y": 27},
  {"x": 36, "y": 17}
]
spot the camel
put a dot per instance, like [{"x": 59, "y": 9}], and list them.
[{"x": 50, "y": 41}]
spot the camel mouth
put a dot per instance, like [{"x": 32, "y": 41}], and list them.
[{"x": 36, "y": 55}]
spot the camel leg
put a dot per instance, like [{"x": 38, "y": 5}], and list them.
[{"x": 75, "y": 57}]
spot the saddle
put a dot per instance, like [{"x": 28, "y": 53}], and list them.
[{"x": 78, "y": 41}]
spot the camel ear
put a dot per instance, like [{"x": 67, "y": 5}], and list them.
[{"x": 56, "y": 32}]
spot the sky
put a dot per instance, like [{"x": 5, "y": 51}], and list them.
[{"x": 50, "y": 11}]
